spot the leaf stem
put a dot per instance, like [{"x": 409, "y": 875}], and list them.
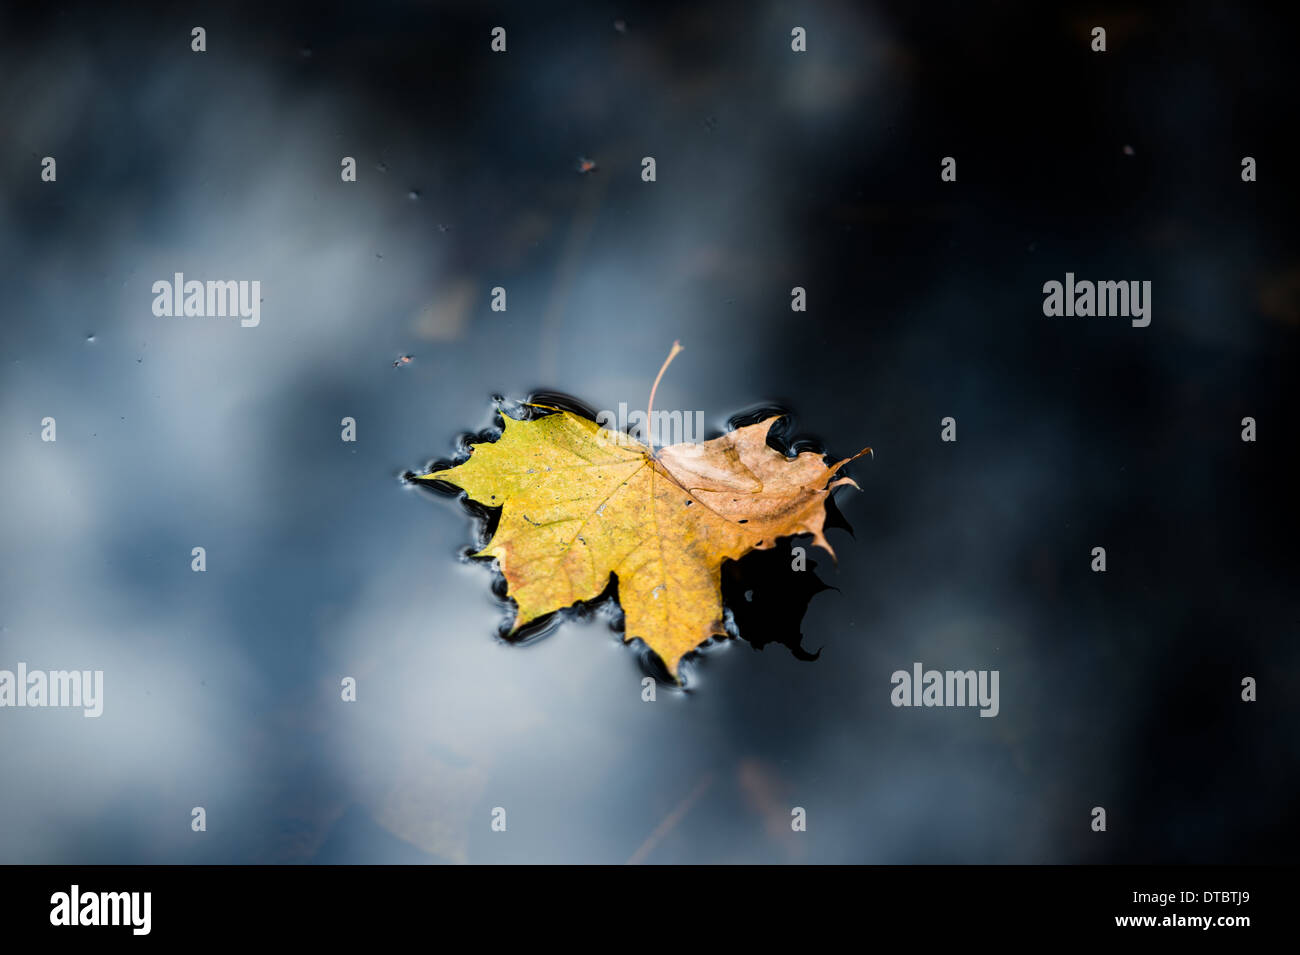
[{"x": 650, "y": 405}]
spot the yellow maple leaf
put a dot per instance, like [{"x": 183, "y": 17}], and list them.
[
  {"x": 578, "y": 505},
  {"x": 580, "y": 502}
]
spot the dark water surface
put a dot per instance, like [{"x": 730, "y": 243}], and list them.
[{"x": 924, "y": 301}]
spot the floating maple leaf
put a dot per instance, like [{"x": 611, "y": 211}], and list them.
[{"x": 580, "y": 502}]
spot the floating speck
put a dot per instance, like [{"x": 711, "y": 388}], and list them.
[
  {"x": 413, "y": 195},
  {"x": 90, "y": 337},
  {"x": 620, "y": 26},
  {"x": 1128, "y": 150},
  {"x": 382, "y": 166},
  {"x": 402, "y": 360},
  {"x": 586, "y": 165}
]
